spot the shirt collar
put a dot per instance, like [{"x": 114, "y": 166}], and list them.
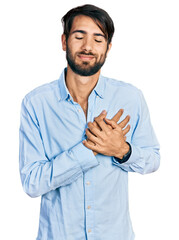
[
  {"x": 100, "y": 86},
  {"x": 65, "y": 94}
]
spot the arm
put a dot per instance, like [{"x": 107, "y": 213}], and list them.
[
  {"x": 39, "y": 174},
  {"x": 145, "y": 156}
]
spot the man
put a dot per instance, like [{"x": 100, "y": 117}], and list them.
[{"x": 74, "y": 151}]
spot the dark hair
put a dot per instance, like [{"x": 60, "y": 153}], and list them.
[{"x": 101, "y": 18}]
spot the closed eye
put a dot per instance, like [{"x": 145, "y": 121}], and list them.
[
  {"x": 79, "y": 38},
  {"x": 98, "y": 41}
]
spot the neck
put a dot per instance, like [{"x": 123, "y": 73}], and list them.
[{"x": 80, "y": 87}]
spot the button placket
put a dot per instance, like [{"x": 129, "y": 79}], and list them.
[
  {"x": 89, "y": 202},
  {"x": 89, "y": 178}
]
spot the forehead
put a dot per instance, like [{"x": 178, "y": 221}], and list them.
[{"x": 86, "y": 24}]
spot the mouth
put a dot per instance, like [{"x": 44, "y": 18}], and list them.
[{"x": 86, "y": 57}]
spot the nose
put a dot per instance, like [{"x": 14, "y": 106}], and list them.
[{"x": 87, "y": 44}]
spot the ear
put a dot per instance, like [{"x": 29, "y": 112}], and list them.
[
  {"x": 109, "y": 48},
  {"x": 63, "y": 39}
]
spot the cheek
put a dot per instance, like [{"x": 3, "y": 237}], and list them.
[
  {"x": 75, "y": 48},
  {"x": 102, "y": 55},
  {"x": 101, "y": 50}
]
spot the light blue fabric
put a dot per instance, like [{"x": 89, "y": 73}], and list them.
[{"x": 82, "y": 196}]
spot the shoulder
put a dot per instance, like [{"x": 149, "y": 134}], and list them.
[
  {"x": 127, "y": 94},
  {"x": 43, "y": 91},
  {"x": 124, "y": 88}
]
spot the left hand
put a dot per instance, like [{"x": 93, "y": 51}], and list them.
[{"x": 107, "y": 141}]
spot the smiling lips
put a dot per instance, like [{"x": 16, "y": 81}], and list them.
[{"x": 86, "y": 57}]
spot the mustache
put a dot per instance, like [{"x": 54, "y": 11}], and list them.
[{"x": 87, "y": 53}]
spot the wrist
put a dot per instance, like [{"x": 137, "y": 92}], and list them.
[
  {"x": 124, "y": 150},
  {"x": 127, "y": 150}
]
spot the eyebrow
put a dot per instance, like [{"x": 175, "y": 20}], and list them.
[{"x": 84, "y": 32}]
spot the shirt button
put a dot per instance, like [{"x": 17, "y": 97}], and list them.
[
  {"x": 79, "y": 110},
  {"x": 88, "y": 183},
  {"x": 89, "y": 207},
  {"x": 89, "y": 230}
]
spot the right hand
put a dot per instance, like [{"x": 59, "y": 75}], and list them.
[{"x": 116, "y": 118}]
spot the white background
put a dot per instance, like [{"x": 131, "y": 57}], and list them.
[{"x": 145, "y": 53}]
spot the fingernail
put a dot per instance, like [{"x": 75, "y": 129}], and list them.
[{"x": 104, "y": 112}]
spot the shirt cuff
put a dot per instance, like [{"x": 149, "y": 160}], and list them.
[
  {"x": 84, "y": 156},
  {"x": 135, "y": 158}
]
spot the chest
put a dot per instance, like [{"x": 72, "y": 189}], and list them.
[{"x": 62, "y": 126}]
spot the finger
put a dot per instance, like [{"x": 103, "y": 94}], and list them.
[
  {"x": 100, "y": 117},
  {"x": 109, "y": 127},
  {"x": 111, "y": 123},
  {"x": 118, "y": 115},
  {"x": 124, "y": 122},
  {"x": 94, "y": 130},
  {"x": 90, "y": 146},
  {"x": 91, "y": 137},
  {"x": 90, "y": 142},
  {"x": 96, "y": 125},
  {"x": 126, "y": 130},
  {"x": 103, "y": 126}
]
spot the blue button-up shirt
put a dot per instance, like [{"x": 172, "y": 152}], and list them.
[{"x": 83, "y": 197}]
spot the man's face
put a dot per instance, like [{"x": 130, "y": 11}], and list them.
[{"x": 86, "y": 48}]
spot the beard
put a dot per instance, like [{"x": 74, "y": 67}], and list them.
[{"x": 85, "y": 69}]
